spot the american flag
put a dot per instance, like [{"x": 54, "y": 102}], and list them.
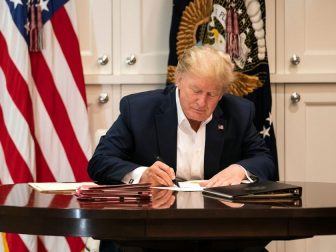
[{"x": 44, "y": 132}]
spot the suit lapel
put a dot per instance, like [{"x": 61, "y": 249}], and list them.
[
  {"x": 214, "y": 142},
  {"x": 166, "y": 123}
]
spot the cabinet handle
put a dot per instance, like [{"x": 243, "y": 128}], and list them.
[
  {"x": 103, "y": 60},
  {"x": 103, "y": 98},
  {"x": 295, "y": 60},
  {"x": 131, "y": 60},
  {"x": 295, "y": 97}
]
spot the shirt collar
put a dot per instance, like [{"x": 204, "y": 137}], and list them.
[{"x": 180, "y": 114}]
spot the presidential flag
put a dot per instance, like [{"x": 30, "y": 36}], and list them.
[
  {"x": 44, "y": 131},
  {"x": 236, "y": 27}
]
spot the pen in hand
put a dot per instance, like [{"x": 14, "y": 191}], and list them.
[{"x": 173, "y": 180}]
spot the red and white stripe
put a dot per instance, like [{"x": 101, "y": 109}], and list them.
[{"x": 44, "y": 131}]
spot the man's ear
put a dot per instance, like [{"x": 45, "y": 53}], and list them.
[{"x": 178, "y": 79}]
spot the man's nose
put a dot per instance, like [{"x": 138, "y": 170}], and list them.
[{"x": 202, "y": 100}]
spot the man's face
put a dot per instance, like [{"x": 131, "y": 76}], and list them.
[{"x": 198, "y": 96}]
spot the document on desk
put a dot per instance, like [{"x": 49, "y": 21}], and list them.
[
  {"x": 185, "y": 186},
  {"x": 59, "y": 187}
]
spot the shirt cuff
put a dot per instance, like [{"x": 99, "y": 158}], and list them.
[
  {"x": 250, "y": 178},
  {"x": 134, "y": 176}
]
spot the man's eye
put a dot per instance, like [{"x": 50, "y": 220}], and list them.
[{"x": 213, "y": 94}]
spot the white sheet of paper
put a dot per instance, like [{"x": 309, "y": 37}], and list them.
[
  {"x": 58, "y": 186},
  {"x": 185, "y": 186}
]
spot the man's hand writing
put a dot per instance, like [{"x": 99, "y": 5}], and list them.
[
  {"x": 232, "y": 175},
  {"x": 158, "y": 174}
]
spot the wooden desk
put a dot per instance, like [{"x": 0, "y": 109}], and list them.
[{"x": 24, "y": 210}]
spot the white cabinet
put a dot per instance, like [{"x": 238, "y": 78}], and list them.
[
  {"x": 101, "y": 113},
  {"x": 317, "y": 244},
  {"x": 95, "y": 41},
  {"x": 144, "y": 35},
  {"x": 306, "y": 136},
  {"x": 124, "y": 41},
  {"x": 310, "y": 135},
  {"x": 103, "y": 103},
  {"x": 310, "y": 34},
  {"x": 119, "y": 29},
  {"x": 310, "y": 145}
]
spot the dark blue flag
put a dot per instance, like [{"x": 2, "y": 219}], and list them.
[{"x": 238, "y": 28}]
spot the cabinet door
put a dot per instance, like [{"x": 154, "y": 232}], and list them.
[
  {"x": 310, "y": 132},
  {"x": 144, "y": 34},
  {"x": 310, "y": 34},
  {"x": 94, "y": 22},
  {"x": 102, "y": 103},
  {"x": 310, "y": 146}
]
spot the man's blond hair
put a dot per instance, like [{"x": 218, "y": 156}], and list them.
[{"x": 207, "y": 62}]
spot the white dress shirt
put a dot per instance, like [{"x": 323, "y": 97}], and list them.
[{"x": 190, "y": 146}]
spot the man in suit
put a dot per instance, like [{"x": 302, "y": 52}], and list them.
[{"x": 193, "y": 130}]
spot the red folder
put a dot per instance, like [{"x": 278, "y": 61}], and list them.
[{"x": 124, "y": 193}]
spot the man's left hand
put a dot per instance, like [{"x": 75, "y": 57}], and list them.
[{"x": 232, "y": 175}]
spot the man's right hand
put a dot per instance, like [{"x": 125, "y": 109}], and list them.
[{"x": 159, "y": 174}]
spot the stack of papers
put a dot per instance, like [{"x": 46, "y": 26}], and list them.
[{"x": 125, "y": 193}]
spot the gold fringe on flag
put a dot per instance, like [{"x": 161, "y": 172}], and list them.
[
  {"x": 171, "y": 74},
  {"x": 5, "y": 244}
]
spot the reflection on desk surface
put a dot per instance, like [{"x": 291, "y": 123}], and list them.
[
  {"x": 315, "y": 195},
  {"x": 274, "y": 202}
]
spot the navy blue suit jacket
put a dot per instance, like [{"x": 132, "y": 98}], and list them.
[{"x": 147, "y": 128}]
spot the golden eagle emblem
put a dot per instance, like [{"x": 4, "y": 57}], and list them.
[{"x": 198, "y": 13}]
